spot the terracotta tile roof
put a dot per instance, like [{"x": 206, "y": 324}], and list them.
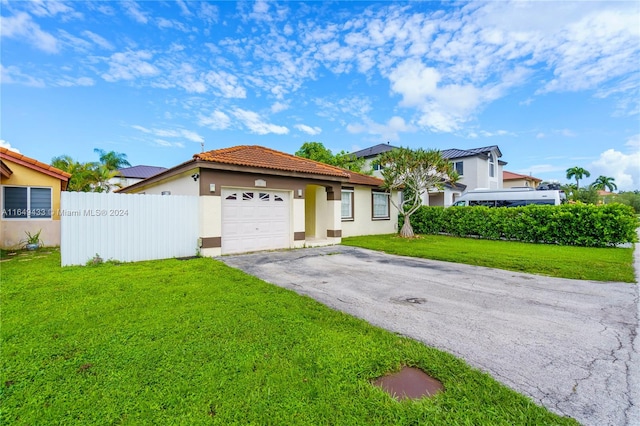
[
  {"x": 510, "y": 175},
  {"x": 34, "y": 164},
  {"x": 360, "y": 179},
  {"x": 261, "y": 157}
]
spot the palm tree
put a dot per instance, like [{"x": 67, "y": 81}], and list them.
[
  {"x": 577, "y": 173},
  {"x": 82, "y": 174},
  {"x": 112, "y": 160},
  {"x": 603, "y": 182}
]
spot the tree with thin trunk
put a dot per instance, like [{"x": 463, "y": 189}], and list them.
[
  {"x": 603, "y": 182},
  {"x": 415, "y": 172},
  {"x": 83, "y": 176},
  {"x": 112, "y": 160},
  {"x": 577, "y": 173},
  {"x": 88, "y": 177}
]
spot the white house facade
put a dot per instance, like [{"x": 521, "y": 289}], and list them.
[{"x": 254, "y": 198}]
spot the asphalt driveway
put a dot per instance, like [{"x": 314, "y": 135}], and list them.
[{"x": 567, "y": 344}]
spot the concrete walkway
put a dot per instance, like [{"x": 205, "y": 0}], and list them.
[{"x": 567, "y": 344}]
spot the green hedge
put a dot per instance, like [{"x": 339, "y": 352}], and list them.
[{"x": 569, "y": 224}]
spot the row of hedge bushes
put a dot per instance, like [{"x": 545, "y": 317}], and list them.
[{"x": 569, "y": 224}]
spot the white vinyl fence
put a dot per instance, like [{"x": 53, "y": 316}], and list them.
[{"x": 127, "y": 227}]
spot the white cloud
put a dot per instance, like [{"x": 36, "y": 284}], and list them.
[
  {"x": 98, "y": 40},
  {"x": 256, "y": 124},
  {"x": 208, "y": 12},
  {"x": 44, "y": 8},
  {"x": 13, "y": 75},
  {"x": 308, "y": 129},
  {"x": 22, "y": 26},
  {"x": 633, "y": 142},
  {"x": 279, "y": 106},
  {"x": 624, "y": 168},
  {"x": 133, "y": 10},
  {"x": 540, "y": 135},
  {"x": 171, "y": 133},
  {"x": 76, "y": 81},
  {"x": 184, "y": 9},
  {"x": 130, "y": 65},
  {"x": 226, "y": 83},
  {"x": 5, "y": 144},
  {"x": 217, "y": 120},
  {"x": 167, "y": 144},
  {"x": 488, "y": 134},
  {"x": 384, "y": 132}
]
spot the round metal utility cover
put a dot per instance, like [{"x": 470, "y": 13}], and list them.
[{"x": 409, "y": 383}]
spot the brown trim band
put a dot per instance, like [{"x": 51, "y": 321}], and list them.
[
  {"x": 299, "y": 236},
  {"x": 333, "y": 195},
  {"x": 334, "y": 233},
  {"x": 211, "y": 242}
]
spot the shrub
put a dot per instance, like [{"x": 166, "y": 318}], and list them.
[{"x": 569, "y": 224}]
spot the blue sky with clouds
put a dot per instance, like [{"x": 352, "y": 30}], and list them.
[{"x": 554, "y": 84}]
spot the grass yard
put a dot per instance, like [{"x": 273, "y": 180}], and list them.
[
  {"x": 196, "y": 342},
  {"x": 584, "y": 263}
]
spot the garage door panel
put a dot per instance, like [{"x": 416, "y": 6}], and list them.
[{"x": 255, "y": 220}]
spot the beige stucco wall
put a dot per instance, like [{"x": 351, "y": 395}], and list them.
[
  {"x": 182, "y": 184},
  {"x": 363, "y": 223},
  {"x": 512, "y": 183},
  {"x": 13, "y": 230}
]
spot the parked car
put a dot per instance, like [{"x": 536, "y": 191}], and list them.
[{"x": 511, "y": 197}]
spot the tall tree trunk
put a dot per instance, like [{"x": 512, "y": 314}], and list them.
[{"x": 407, "y": 230}]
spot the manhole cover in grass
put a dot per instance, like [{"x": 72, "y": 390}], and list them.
[{"x": 409, "y": 383}]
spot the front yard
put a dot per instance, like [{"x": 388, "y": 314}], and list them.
[
  {"x": 583, "y": 263},
  {"x": 196, "y": 342}
]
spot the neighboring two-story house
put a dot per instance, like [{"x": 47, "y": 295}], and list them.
[{"x": 477, "y": 168}]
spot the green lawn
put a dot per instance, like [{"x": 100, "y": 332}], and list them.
[
  {"x": 196, "y": 342},
  {"x": 584, "y": 263}
]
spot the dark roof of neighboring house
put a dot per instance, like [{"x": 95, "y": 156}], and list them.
[
  {"x": 448, "y": 154},
  {"x": 453, "y": 153},
  {"x": 35, "y": 165},
  {"x": 373, "y": 150},
  {"x": 140, "y": 172},
  {"x": 510, "y": 175}
]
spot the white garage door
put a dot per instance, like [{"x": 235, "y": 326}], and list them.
[{"x": 254, "y": 220}]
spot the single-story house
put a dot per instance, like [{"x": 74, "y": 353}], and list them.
[
  {"x": 516, "y": 180},
  {"x": 477, "y": 167},
  {"x": 254, "y": 198},
  {"x": 30, "y": 192}
]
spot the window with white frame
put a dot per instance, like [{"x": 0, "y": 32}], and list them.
[
  {"x": 347, "y": 204},
  {"x": 26, "y": 202},
  {"x": 458, "y": 166},
  {"x": 380, "y": 202},
  {"x": 492, "y": 165}
]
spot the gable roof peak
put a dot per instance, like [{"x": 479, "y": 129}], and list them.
[
  {"x": 372, "y": 151},
  {"x": 267, "y": 158}
]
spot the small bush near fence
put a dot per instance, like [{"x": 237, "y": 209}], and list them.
[{"x": 569, "y": 224}]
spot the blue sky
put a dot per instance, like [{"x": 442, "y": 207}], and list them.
[{"x": 554, "y": 84}]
